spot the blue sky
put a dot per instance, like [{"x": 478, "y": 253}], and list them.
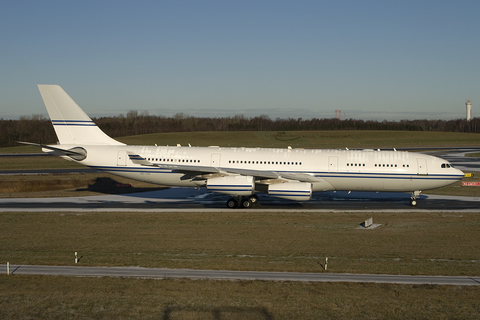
[{"x": 380, "y": 60}]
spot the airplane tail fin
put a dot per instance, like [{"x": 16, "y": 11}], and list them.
[{"x": 71, "y": 124}]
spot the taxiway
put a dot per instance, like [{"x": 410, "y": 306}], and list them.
[
  {"x": 158, "y": 273},
  {"x": 189, "y": 199}
]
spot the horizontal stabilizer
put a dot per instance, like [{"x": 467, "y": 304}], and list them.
[{"x": 76, "y": 153}]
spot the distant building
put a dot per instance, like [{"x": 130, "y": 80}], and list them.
[{"x": 468, "y": 105}]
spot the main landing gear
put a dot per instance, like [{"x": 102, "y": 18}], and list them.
[
  {"x": 413, "y": 199},
  {"x": 242, "y": 202}
]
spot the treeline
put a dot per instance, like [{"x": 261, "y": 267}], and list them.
[{"x": 38, "y": 128}]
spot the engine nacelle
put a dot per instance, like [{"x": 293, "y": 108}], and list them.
[
  {"x": 232, "y": 185},
  {"x": 298, "y": 191}
]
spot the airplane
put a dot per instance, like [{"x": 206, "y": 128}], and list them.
[{"x": 291, "y": 173}]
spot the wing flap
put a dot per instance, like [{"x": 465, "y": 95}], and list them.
[
  {"x": 302, "y": 177},
  {"x": 261, "y": 174}
]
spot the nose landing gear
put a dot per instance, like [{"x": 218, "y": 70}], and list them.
[{"x": 413, "y": 199}]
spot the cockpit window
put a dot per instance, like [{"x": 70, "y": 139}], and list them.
[{"x": 446, "y": 165}]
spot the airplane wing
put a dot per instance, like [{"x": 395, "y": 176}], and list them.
[
  {"x": 187, "y": 168},
  {"x": 195, "y": 169}
]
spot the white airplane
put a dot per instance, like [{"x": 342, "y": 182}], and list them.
[{"x": 240, "y": 172}]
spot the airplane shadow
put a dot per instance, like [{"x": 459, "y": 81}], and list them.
[
  {"x": 218, "y": 313},
  {"x": 106, "y": 185}
]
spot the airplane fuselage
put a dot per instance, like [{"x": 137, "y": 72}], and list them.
[{"x": 351, "y": 170}]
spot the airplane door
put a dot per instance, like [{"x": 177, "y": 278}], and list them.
[
  {"x": 215, "y": 159},
  {"x": 422, "y": 166},
  {"x": 122, "y": 158},
  {"x": 332, "y": 164}
]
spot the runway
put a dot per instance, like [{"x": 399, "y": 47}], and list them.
[
  {"x": 192, "y": 200},
  {"x": 154, "y": 273}
]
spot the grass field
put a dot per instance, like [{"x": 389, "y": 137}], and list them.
[
  {"x": 297, "y": 139},
  {"x": 37, "y": 297},
  {"x": 311, "y": 139},
  {"x": 408, "y": 243},
  {"x": 405, "y": 243},
  {"x": 66, "y": 185}
]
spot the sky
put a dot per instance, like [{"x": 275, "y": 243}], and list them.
[{"x": 374, "y": 60}]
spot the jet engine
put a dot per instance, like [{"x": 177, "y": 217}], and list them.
[
  {"x": 232, "y": 185},
  {"x": 298, "y": 191}
]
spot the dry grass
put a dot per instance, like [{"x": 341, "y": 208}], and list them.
[
  {"x": 311, "y": 139},
  {"x": 473, "y": 155},
  {"x": 36, "y": 163},
  {"x": 298, "y": 139},
  {"x": 40, "y": 297},
  {"x": 65, "y": 185},
  {"x": 406, "y": 243}
]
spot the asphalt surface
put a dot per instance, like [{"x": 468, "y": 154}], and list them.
[
  {"x": 190, "y": 199},
  {"x": 153, "y": 273}
]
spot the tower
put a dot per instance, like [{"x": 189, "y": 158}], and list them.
[
  {"x": 338, "y": 114},
  {"x": 468, "y": 105}
]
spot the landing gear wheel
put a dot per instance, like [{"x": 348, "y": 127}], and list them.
[
  {"x": 254, "y": 199},
  {"x": 231, "y": 203},
  {"x": 413, "y": 199},
  {"x": 246, "y": 203}
]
